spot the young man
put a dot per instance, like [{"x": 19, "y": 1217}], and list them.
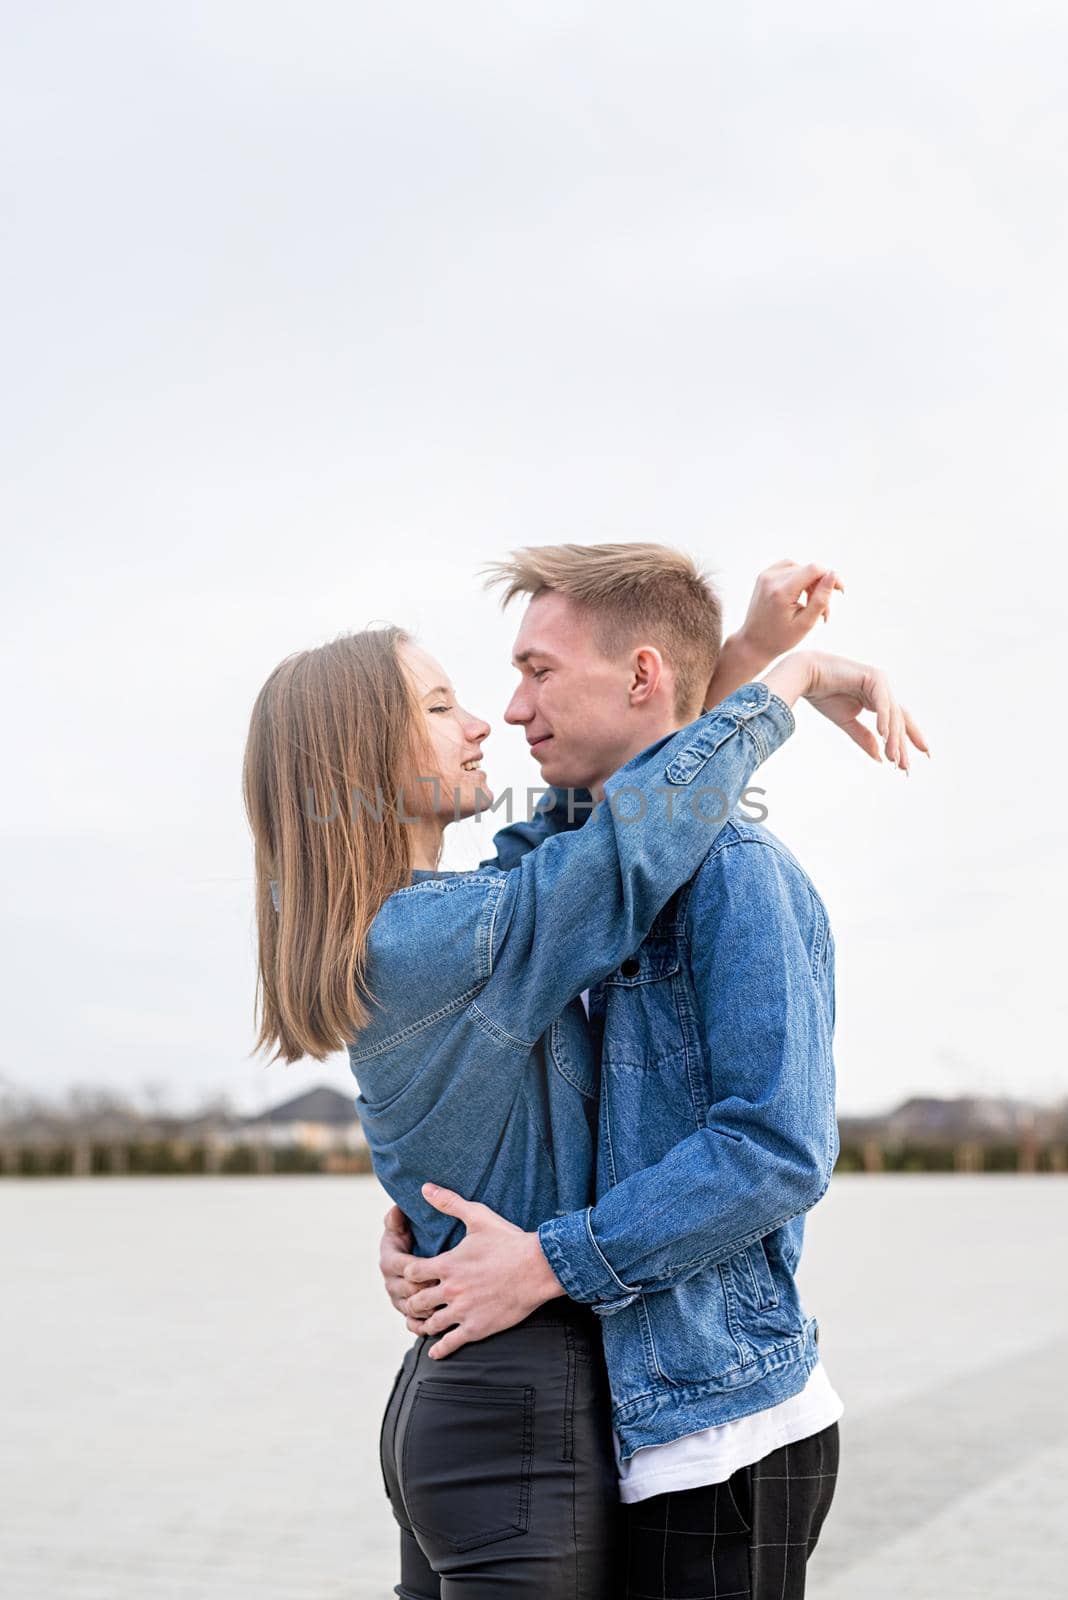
[{"x": 716, "y": 1114}]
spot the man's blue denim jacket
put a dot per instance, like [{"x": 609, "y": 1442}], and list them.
[
  {"x": 717, "y": 1133},
  {"x": 476, "y": 1069}
]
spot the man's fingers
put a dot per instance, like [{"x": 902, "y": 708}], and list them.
[
  {"x": 453, "y": 1205},
  {"x": 396, "y": 1240},
  {"x": 392, "y": 1254},
  {"x": 419, "y": 1270},
  {"x": 440, "y": 1321},
  {"x": 424, "y": 1301},
  {"x": 447, "y": 1344}
]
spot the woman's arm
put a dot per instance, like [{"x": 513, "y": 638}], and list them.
[
  {"x": 577, "y": 906},
  {"x": 775, "y": 623},
  {"x": 559, "y": 811}
]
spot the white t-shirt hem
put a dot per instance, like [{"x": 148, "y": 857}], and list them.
[{"x": 712, "y": 1454}]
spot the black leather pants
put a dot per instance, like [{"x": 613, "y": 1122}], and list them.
[{"x": 499, "y": 1468}]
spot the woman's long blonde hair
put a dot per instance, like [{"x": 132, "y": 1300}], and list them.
[{"x": 333, "y": 739}]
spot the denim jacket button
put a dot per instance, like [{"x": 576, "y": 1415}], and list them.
[{"x": 631, "y": 967}]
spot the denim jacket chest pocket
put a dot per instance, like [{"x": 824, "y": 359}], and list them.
[
  {"x": 652, "y": 1083},
  {"x": 644, "y": 1023}
]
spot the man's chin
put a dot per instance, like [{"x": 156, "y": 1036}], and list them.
[{"x": 556, "y": 775}]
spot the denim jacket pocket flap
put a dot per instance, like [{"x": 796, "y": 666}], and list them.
[{"x": 647, "y": 966}]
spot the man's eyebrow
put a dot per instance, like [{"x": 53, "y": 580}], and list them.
[{"x": 521, "y": 657}]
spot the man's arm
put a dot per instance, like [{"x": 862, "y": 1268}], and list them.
[{"x": 761, "y": 962}]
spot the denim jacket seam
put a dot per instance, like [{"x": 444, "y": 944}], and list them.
[
  {"x": 816, "y": 953},
  {"x": 496, "y": 1032},
  {"x": 486, "y": 931},
  {"x": 757, "y": 738},
  {"x": 687, "y": 1393},
  {"x": 738, "y": 837},
  {"x": 492, "y": 934},
  {"x": 626, "y": 1288},
  {"x": 535, "y": 1123},
  {"x": 413, "y": 1028},
  {"x": 784, "y": 708},
  {"x": 451, "y": 882},
  {"x": 583, "y": 1089},
  {"x": 815, "y": 950}
]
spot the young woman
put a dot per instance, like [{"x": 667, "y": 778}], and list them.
[{"x": 455, "y": 995}]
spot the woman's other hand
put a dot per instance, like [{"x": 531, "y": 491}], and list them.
[{"x": 788, "y": 600}]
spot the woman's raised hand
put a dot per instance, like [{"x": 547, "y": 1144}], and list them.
[{"x": 841, "y": 690}]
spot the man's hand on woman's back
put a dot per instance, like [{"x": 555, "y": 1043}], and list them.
[
  {"x": 494, "y": 1278},
  {"x": 394, "y": 1255}
]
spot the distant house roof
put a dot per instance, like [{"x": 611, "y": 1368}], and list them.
[{"x": 314, "y": 1105}]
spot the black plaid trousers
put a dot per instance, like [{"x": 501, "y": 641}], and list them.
[{"x": 748, "y": 1538}]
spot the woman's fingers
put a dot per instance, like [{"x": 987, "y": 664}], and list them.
[
  {"x": 912, "y": 729},
  {"x": 891, "y": 737},
  {"x": 882, "y": 704},
  {"x": 861, "y": 734}
]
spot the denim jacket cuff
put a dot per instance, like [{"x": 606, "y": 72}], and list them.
[
  {"x": 584, "y": 1273},
  {"x": 754, "y": 708},
  {"x": 754, "y": 700}
]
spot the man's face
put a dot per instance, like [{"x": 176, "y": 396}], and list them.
[{"x": 572, "y": 702}]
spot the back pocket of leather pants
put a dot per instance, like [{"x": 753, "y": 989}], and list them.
[{"x": 467, "y": 1463}]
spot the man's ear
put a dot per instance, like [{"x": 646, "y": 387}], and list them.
[{"x": 647, "y": 674}]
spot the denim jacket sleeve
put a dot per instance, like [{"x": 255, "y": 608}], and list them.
[
  {"x": 759, "y": 936},
  {"x": 574, "y": 908},
  {"x": 558, "y": 811}
]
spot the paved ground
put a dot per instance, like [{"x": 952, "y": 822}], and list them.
[{"x": 194, "y": 1371}]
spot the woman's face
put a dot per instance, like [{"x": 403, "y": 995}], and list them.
[{"x": 454, "y": 737}]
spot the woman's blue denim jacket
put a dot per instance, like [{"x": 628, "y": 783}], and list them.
[{"x": 476, "y": 1069}]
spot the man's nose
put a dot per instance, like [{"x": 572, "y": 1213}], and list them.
[{"x": 518, "y": 709}]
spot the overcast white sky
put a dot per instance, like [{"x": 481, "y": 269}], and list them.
[{"x": 310, "y": 310}]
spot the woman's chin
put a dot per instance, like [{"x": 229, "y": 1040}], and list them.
[{"x": 473, "y": 798}]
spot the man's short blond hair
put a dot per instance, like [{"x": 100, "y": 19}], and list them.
[{"x": 633, "y": 594}]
